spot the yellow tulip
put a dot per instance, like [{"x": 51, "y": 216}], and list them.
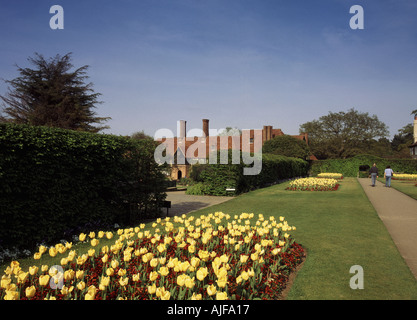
[
  {"x": 211, "y": 290},
  {"x": 11, "y": 295},
  {"x": 123, "y": 281},
  {"x": 105, "y": 281},
  {"x": 195, "y": 262},
  {"x": 164, "y": 271},
  {"x": 71, "y": 255},
  {"x": 81, "y": 237},
  {"x": 114, "y": 264},
  {"x": 42, "y": 249},
  {"x": 196, "y": 296},
  {"x": 61, "y": 249},
  {"x": 30, "y": 291},
  {"x": 81, "y": 285},
  {"x": 202, "y": 273},
  {"x": 33, "y": 270},
  {"x": 183, "y": 266},
  {"x": 154, "y": 262},
  {"x": 136, "y": 277},
  {"x": 181, "y": 279},
  {"x": 109, "y": 235},
  {"x": 81, "y": 259},
  {"x": 276, "y": 251},
  {"x": 221, "y": 296},
  {"x": 5, "y": 282},
  {"x": 91, "y": 252},
  {"x": 152, "y": 289},
  {"x": 95, "y": 242},
  {"x": 65, "y": 290},
  {"x": 224, "y": 258},
  {"x": 161, "y": 247},
  {"x": 203, "y": 255},
  {"x": 22, "y": 276},
  {"x": 127, "y": 256},
  {"x": 8, "y": 270},
  {"x": 105, "y": 258},
  {"x": 165, "y": 294},
  {"x": 92, "y": 235},
  {"x": 69, "y": 274},
  {"x": 37, "y": 255},
  {"x": 79, "y": 274},
  {"x": 43, "y": 280},
  {"x": 110, "y": 272},
  {"x": 243, "y": 258},
  {"x": 244, "y": 275},
  {"x": 153, "y": 275},
  {"x": 91, "y": 293},
  {"x": 251, "y": 272},
  {"x": 221, "y": 282},
  {"x": 121, "y": 272},
  {"x": 189, "y": 282},
  {"x": 52, "y": 251}
]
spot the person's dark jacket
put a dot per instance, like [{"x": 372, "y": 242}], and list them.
[{"x": 373, "y": 170}]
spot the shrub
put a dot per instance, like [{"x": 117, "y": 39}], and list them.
[
  {"x": 351, "y": 166},
  {"x": 56, "y": 182},
  {"x": 219, "y": 177},
  {"x": 197, "y": 189},
  {"x": 287, "y": 146}
]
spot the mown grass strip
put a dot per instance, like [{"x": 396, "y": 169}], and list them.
[{"x": 339, "y": 229}]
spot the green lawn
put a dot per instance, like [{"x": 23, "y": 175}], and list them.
[
  {"x": 407, "y": 187},
  {"x": 339, "y": 229}
]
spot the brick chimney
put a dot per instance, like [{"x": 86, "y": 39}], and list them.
[
  {"x": 267, "y": 133},
  {"x": 182, "y": 130},
  {"x": 206, "y": 127}
]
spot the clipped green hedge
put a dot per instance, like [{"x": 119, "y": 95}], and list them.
[
  {"x": 55, "y": 183},
  {"x": 350, "y": 167},
  {"x": 216, "y": 178}
]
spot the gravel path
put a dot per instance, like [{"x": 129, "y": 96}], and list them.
[
  {"x": 399, "y": 214},
  {"x": 182, "y": 203}
]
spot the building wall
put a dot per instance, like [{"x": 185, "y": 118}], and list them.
[{"x": 181, "y": 142}]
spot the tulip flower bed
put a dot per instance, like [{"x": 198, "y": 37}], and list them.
[
  {"x": 210, "y": 257},
  {"x": 404, "y": 176},
  {"x": 330, "y": 175},
  {"x": 313, "y": 184}
]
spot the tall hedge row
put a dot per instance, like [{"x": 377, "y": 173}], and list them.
[
  {"x": 216, "y": 178},
  {"x": 55, "y": 182},
  {"x": 350, "y": 167}
]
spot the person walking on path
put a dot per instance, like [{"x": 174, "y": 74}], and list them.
[
  {"x": 388, "y": 173},
  {"x": 374, "y": 174}
]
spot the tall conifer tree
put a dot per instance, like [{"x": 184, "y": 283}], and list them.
[{"x": 52, "y": 94}]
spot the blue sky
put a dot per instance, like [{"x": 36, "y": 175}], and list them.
[{"x": 239, "y": 63}]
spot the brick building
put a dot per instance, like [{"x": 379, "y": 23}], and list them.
[{"x": 198, "y": 148}]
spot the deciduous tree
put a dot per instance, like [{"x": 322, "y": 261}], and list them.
[{"x": 344, "y": 134}]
